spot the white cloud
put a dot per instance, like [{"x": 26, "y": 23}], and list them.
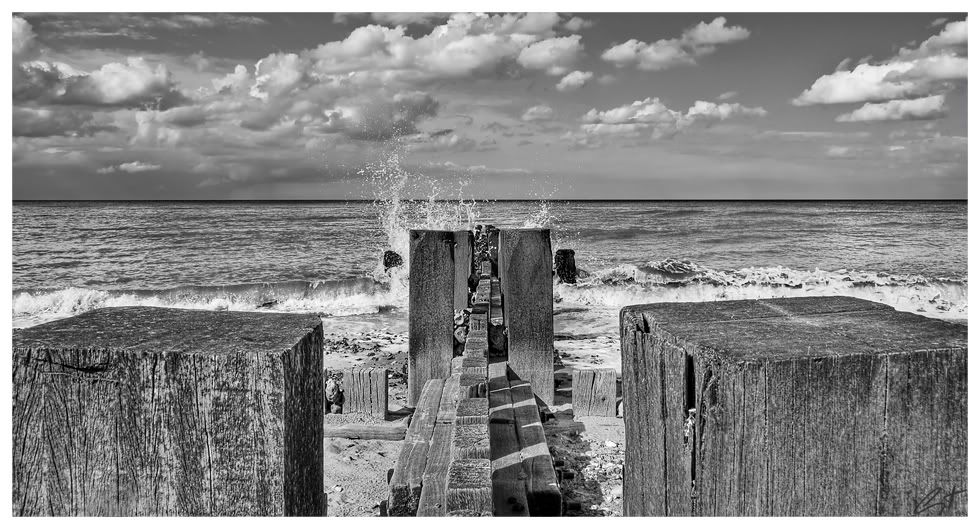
[
  {"x": 899, "y": 110},
  {"x": 912, "y": 73},
  {"x": 574, "y": 81},
  {"x": 694, "y": 42},
  {"x": 538, "y": 113},
  {"x": 24, "y": 38},
  {"x": 652, "y": 117},
  {"x": 839, "y": 151},
  {"x": 405, "y": 19},
  {"x": 722, "y": 111},
  {"x": 892, "y": 80},
  {"x": 725, "y": 96},
  {"x": 576, "y": 24},
  {"x": 129, "y": 167},
  {"x": 556, "y": 55}
]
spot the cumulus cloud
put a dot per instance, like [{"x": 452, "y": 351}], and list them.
[
  {"x": 555, "y": 56},
  {"x": 913, "y": 73},
  {"x": 137, "y": 83},
  {"x": 405, "y": 19},
  {"x": 651, "y": 117},
  {"x": 538, "y": 113},
  {"x": 129, "y": 167},
  {"x": 574, "y": 81},
  {"x": 725, "y": 96},
  {"x": 899, "y": 110},
  {"x": 25, "y": 39},
  {"x": 700, "y": 40},
  {"x": 576, "y": 24}
]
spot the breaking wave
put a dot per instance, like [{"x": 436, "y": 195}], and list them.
[{"x": 664, "y": 281}]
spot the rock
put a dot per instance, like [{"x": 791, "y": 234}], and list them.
[
  {"x": 336, "y": 408},
  {"x": 611, "y": 444},
  {"x": 391, "y": 259}
]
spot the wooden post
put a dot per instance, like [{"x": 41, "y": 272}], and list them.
[
  {"x": 837, "y": 407},
  {"x": 463, "y": 253},
  {"x": 594, "y": 392},
  {"x": 526, "y": 285},
  {"x": 431, "y": 296},
  {"x": 366, "y": 391},
  {"x": 142, "y": 411},
  {"x": 565, "y": 266}
]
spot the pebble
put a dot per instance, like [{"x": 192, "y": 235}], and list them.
[{"x": 611, "y": 444}]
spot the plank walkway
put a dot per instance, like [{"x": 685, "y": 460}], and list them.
[{"x": 477, "y": 446}]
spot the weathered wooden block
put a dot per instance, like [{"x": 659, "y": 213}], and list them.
[
  {"x": 594, "y": 392},
  {"x": 366, "y": 391},
  {"x": 405, "y": 486},
  {"x": 509, "y": 487},
  {"x": 472, "y": 411},
  {"x": 803, "y": 406},
  {"x": 463, "y": 254},
  {"x": 470, "y": 441},
  {"x": 468, "y": 487},
  {"x": 526, "y": 284},
  {"x": 450, "y": 399},
  {"x": 431, "y": 292},
  {"x": 478, "y": 322},
  {"x": 141, "y": 411}
]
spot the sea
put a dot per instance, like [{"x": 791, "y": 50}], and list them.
[{"x": 325, "y": 257}]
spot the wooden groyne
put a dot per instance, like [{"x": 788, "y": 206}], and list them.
[
  {"x": 141, "y": 411},
  {"x": 477, "y": 446},
  {"x": 793, "y": 407}
]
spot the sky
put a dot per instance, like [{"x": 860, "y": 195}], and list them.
[{"x": 539, "y": 105}]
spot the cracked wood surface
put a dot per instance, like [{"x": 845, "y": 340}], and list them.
[
  {"x": 798, "y": 406},
  {"x": 141, "y": 411}
]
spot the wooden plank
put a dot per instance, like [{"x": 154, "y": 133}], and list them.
[
  {"x": 430, "y": 308},
  {"x": 486, "y": 269},
  {"x": 509, "y": 489},
  {"x": 526, "y": 285},
  {"x": 541, "y": 483},
  {"x": 389, "y": 431},
  {"x": 496, "y": 304},
  {"x": 432, "y": 501},
  {"x": 594, "y": 392},
  {"x": 463, "y": 254},
  {"x": 450, "y": 399},
  {"x": 405, "y": 487},
  {"x": 366, "y": 391},
  {"x": 468, "y": 487},
  {"x": 144, "y": 411}
]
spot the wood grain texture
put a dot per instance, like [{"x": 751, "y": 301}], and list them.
[
  {"x": 366, "y": 391},
  {"x": 389, "y": 431},
  {"x": 543, "y": 493},
  {"x": 405, "y": 486},
  {"x": 430, "y": 308},
  {"x": 463, "y": 254},
  {"x": 468, "y": 487},
  {"x": 142, "y": 411},
  {"x": 432, "y": 501},
  {"x": 804, "y": 406},
  {"x": 594, "y": 392},
  {"x": 509, "y": 488},
  {"x": 526, "y": 286}
]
